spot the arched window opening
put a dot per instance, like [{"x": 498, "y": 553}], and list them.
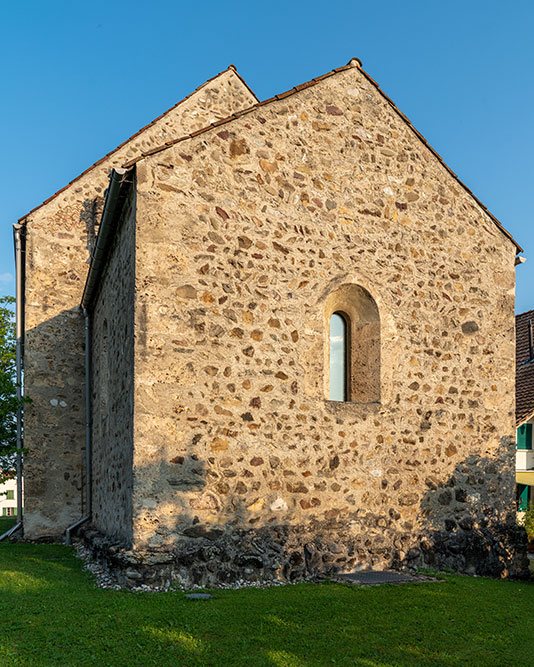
[
  {"x": 353, "y": 353},
  {"x": 339, "y": 363}
]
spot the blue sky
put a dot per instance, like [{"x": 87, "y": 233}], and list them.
[{"x": 80, "y": 77}]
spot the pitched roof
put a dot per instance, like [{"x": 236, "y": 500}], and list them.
[
  {"x": 524, "y": 366},
  {"x": 98, "y": 162},
  {"x": 354, "y": 62}
]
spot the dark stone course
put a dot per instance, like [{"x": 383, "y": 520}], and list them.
[{"x": 209, "y": 557}]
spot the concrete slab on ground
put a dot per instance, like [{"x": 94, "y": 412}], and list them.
[{"x": 376, "y": 577}]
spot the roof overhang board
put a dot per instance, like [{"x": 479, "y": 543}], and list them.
[{"x": 119, "y": 185}]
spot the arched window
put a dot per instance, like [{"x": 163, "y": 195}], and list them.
[
  {"x": 339, "y": 352},
  {"x": 353, "y": 352}
]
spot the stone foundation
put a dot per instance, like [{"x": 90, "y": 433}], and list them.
[{"x": 211, "y": 558}]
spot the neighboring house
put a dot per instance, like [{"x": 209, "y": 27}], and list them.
[
  {"x": 524, "y": 411},
  {"x": 8, "y": 498},
  {"x": 300, "y": 346}
]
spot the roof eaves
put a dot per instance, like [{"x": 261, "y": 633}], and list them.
[
  {"x": 281, "y": 96},
  {"x": 119, "y": 184},
  {"x": 524, "y": 418}
]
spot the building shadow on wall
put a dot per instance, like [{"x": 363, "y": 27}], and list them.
[
  {"x": 469, "y": 520},
  {"x": 209, "y": 521},
  {"x": 90, "y": 216},
  {"x": 213, "y": 529},
  {"x": 216, "y": 529},
  {"x": 54, "y": 420}
]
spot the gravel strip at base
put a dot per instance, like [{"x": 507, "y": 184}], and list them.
[{"x": 103, "y": 578}]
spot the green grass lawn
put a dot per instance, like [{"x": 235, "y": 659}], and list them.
[
  {"x": 6, "y": 523},
  {"x": 51, "y": 613}
]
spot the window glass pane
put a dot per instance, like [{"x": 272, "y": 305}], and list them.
[{"x": 338, "y": 358}]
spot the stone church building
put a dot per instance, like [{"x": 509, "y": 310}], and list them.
[{"x": 296, "y": 326}]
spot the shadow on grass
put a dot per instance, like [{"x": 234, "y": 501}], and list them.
[{"x": 56, "y": 616}]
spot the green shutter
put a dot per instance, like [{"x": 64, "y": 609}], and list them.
[
  {"x": 10, "y": 495},
  {"x": 4, "y": 511},
  {"x": 522, "y": 497},
  {"x": 524, "y": 436}
]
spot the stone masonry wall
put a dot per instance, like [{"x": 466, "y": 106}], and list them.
[
  {"x": 60, "y": 236},
  {"x": 112, "y": 382},
  {"x": 243, "y": 233}
]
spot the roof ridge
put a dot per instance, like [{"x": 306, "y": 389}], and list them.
[
  {"x": 136, "y": 134},
  {"x": 527, "y": 312},
  {"x": 353, "y": 62}
]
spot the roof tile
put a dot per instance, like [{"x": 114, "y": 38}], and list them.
[{"x": 524, "y": 367}]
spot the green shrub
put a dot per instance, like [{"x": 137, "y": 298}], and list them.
[{"x": 528, "y": 521}]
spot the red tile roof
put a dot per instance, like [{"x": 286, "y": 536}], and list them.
[
  {"x": 524, "y": 367},
  {"x": 230, "y": 67},
  {"x": 354, "y": 62}
]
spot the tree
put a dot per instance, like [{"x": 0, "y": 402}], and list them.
[{"x": 8, "y": 390}]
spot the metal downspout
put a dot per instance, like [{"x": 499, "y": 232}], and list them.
[
  {"x": 88, "y": 452},
  {"x": 20, "y": 342},
  {"x": 19, "y": 334}
]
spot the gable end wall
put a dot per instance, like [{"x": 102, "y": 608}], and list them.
[{"x": 243, "y": 232}]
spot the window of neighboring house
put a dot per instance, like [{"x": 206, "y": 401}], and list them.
[
  {"x": 339, "y": 363},
  {"x": 522, "y": 497},
  {"x": 9, "y": 511},
  {"x": 10, "y": 495},
  {"x": 524, "y": 436}
]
